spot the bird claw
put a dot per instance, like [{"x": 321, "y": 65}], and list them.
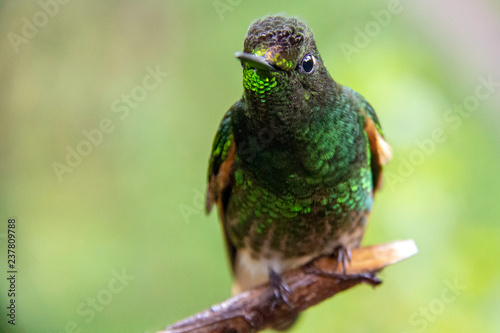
[
  {"x": 369, "y": 278},
  {"x": 280, "y": 288},
  {"x": 343, "y": 256}
]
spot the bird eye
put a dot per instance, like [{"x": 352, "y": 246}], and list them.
[{"x": 308, "y": 63}]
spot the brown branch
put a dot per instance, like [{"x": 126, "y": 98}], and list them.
[{"x": 310, "y": 284}]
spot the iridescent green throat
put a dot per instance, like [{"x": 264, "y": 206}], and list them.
[{"x": 261, "y": 83}]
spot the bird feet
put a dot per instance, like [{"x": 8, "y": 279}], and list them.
[
  {"x": 342, "y": 255},
  {"x": 280, "y": 288},
  {"x": 282, "y": 293}
]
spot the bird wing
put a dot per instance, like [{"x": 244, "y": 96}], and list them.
[
  {"x": 380, "y": 151},
  {"x": 221, "y": 175}
]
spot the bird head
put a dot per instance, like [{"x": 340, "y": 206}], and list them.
[{"x": 281, "y": 62}]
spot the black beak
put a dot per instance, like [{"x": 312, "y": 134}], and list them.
[{"x": 254, "y": 61}]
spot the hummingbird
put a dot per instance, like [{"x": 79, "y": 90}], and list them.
[{"x": 295, "y": 161}]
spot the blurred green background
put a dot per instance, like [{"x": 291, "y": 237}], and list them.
[{"x": 133, "y": 205}]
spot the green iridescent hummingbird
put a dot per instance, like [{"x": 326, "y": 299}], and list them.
[{"x": 296, "y": 161}]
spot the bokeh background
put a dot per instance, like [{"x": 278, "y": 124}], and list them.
[{"x": 133, "y": 206}]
